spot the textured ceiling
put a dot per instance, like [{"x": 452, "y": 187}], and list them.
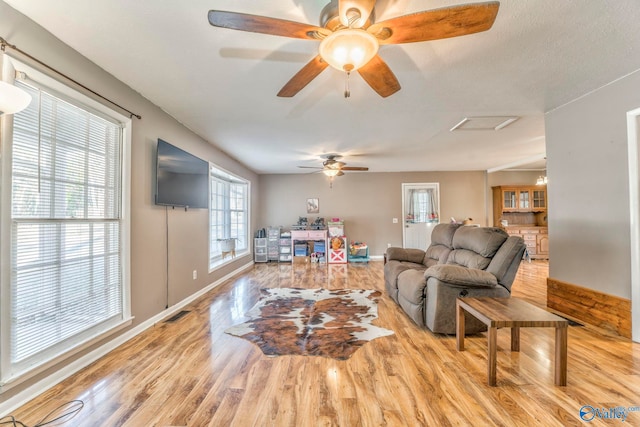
[{"x": 222, "y": 84}]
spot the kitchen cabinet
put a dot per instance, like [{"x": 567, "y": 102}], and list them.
[
  {"x": 507, "y": 199},
  {"x": 535, "y": 238},
  {"x": 521, "y": 210},
  {"x": 539, "y": 199},
  {"x": 519, "y": 199},
  {"x": 542, "y": 244}
]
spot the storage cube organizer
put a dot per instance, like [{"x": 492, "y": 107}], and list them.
[
  {"x": 300, "y": 250},
  {"x": 336, "y": 228}
]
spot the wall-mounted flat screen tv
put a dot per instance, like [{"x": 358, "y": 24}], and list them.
[{"x": 182, "y": 179}]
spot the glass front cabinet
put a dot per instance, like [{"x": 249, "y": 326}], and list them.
[
  {"x": 521, "y": 210},
  {"x": 539, "y": 199},
  {"x": 523, "y": 199},
  {"x": 509, "y": 199}
]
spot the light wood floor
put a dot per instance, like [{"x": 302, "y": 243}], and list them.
[{"x": 190, "y": 373}]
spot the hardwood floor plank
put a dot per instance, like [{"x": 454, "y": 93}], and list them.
[{"x": 190, "y": 373}]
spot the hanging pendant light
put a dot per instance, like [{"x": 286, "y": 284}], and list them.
[{"x": 12, "y": 99}]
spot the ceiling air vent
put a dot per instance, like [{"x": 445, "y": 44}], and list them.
[{"x": 485, "y": 123}]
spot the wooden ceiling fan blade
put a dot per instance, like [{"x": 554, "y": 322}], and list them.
[
  {"x": 364, "y": 8},
  {"x": 380, "y": 77},
  {"x": 303, "y": 77},
  {"x": 265, "y": 25},
  {"x": 437, "y": 24},
  {"x": 354, "y": 168},
  {"x": 310, "y": 167}
]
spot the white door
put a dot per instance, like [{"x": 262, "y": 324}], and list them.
[{"x": 420, "y": 213}]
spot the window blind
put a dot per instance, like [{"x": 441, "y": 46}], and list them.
[{"x": 66, "y": 253}]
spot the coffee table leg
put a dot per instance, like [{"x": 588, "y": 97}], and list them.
[
  {"x": 459, "y": 327},
  {"x": 560, "y": 369},
  {"x": 492, "y": 335},
  {"x": 515, "y": 338}
]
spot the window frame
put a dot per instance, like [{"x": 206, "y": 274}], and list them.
[
  {"x": 220, "y": 175},
  {"x": 9, "y": 375}
]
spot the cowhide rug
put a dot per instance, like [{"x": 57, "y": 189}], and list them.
[{"x": 312, "y": 322}]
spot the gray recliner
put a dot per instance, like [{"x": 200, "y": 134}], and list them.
[
  {"x": 401, "y": 259},
  {"x": 476, "y": 261}
]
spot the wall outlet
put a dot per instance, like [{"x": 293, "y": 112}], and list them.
[
  {"x": 195, "y": 274},
  {"x": 388, "y": 245},
  {"x": 395, "y": 220}
]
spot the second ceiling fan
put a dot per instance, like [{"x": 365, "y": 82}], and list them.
[
  {"x": 350, "y": 38},
  {"x": 333, "y": 167}
]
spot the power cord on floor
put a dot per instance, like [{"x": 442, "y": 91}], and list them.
[{"x": 57, "y": 416}]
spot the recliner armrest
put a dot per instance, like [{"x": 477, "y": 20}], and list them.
[
  {"x": 405, "y": 254},
  {"x": 461, "y": 276}
]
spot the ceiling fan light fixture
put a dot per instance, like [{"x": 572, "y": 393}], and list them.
[
  {"x": 348, "y": 49},
  {"x": 331, "y": 172}
]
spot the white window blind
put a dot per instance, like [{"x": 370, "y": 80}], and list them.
[
  {"x": 229, "y": 213},
  {"x": 66, "y": 254}
]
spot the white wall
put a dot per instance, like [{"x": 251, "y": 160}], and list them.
[{"x": 588, "y": 188}]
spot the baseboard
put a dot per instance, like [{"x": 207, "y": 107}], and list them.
[
  {"x": 604, "y": 311},
  {"x": 60, "y": 375}
]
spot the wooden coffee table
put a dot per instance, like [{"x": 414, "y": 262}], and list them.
[{"x": 512, "y": 313}]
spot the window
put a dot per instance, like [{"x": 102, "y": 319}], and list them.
[
  {"x": 229, "y": 216},
  {"x": 422, "y": 205},
  {"x": 67, "y": 281}
]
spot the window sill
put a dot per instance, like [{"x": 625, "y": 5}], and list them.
[
  {"x": 219, "y": 262},
  {"x": 34, "y": 370}
]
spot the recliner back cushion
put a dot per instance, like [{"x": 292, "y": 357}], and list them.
[
  {"x": 467, "y": 258},
  {"x": 473, "y": 247},
  {"x": 442, "y": 234},
  {"x": 436, "y": 254},
  {"x": 441, "y": 244}
]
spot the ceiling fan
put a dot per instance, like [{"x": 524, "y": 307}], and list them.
[
  {"x": 333, "y": 167},
  {"x": 349, "y": 36}
]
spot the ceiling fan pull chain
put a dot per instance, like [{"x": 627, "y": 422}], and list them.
[{"x": 347, "y": 92}]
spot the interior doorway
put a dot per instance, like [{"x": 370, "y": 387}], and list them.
[
  {"x": 420, "y": 213},
  {"x": 633, "y": 138}
]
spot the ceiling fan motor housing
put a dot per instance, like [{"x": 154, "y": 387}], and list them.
[{"x": 330, "y": 17}]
